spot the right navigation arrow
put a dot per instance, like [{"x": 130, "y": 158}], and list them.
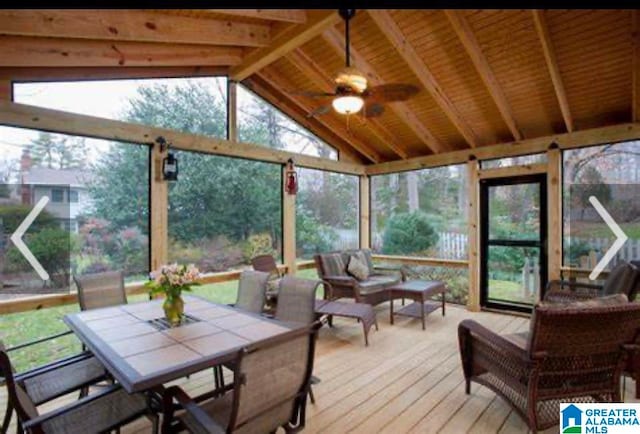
[
  {"x": 621, "y": 238},
  {"x": 16, "y": 237}
]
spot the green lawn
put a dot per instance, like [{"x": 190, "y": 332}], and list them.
[
  {"x": 506, "y": 290},
  {"x": 17, "y": 328}
]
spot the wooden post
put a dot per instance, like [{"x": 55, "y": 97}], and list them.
[
  {"x": 159, "y": 210},
  {"x": 288, "y": 227},
  {"x": 473, "y": 303},
  {"x": 6, "y": 90},
  {"x": 554, "y": 220},
  {"x": 365, "y": 212},
  {"x": 232, "y": 111}
]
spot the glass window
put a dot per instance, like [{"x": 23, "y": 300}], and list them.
[
  {"x": 421, "y": 213},
  {"x": 57, "y": 195},
  {"x": 194, "y": 105},
  {"x": 609, "y": 173},
  {"x": 106, "y": 228},
  {"x": 262, "y": 124},
  {"x": 224, "y": 211},
  {"x": 73, "y": 196},
  {"x": 327, "y": 216},
  {"x": 514, "y": 161}
]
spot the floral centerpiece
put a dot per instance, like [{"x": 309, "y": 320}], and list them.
[{"x": 171, "y": 280}]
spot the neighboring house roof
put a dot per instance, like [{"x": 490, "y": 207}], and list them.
[{"x": 49, "y": 176}]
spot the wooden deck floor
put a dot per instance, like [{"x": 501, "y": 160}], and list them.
[{"x": 407, "y": 380}]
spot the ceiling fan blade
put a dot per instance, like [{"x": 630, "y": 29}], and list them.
[
  {"x": 373, "y": 110},
  {"x": 312, "y": 94},
  {"x": 391, "y": 92},
  {"x": 322, "y": 110}
]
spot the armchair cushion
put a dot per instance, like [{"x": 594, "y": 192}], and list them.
[
  {"x": 333, "y": 264},
  {"x": 609, "y": 300},
  {"x": 358, "y": 268},
  {"x": 377, "y": 283}
]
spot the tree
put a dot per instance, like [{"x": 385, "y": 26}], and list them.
[
  {"x": 409, "y": 234},
  {"x": 58, "y": 152}
]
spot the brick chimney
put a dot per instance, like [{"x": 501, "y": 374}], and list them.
[{"x": 25, "y": 167}]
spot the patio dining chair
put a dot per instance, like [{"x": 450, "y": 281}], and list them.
[
  {"x": 101, "y": 290},
  {"x": 271, "y": 382},
  {"x": 251, "y": 291},
  {"x": 95, "y": 413},
  {"x": 267, "y": 264},
  {"x": 572, "y": 353}
]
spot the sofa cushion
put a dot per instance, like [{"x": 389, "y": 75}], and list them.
[
  {"x": 377, "y": 283},
  {"x": 333, "y": 264},
  {"x": 357, "y": 268}
]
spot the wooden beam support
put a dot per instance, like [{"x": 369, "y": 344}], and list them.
[
  {"x": 364, "y": 149},
  {"x": 6, "y": 90},
  {"x": 297, "y": 16},
  {"x": 25, "y": 51},
  {"x": 390, "y": 29},
  {"x": 288, "y": 228},
  {"x": 473, "y": 300},
  {"x": 577, "y": 139},
  {"x": 336, "y": 40},
  {"x": 159, "y": 208},
  {"x": 635, "y": 93},
  {"x": 232, "y": 111},
  {"x": 471, "y": 45},
  {"x": 365, "y": 212},
  {"x": 417, "y": 260},
  {"x": 314, "y": 73},
  {"x": 554, "y": 209},
  {"x": 552, "y": 64},
  {"x": 132, "y": 25},
  {"x": 289, "y": 107},
  {"x": 502, "y": 172},
  {"x": 25, "y": 116},
  {"x": 108, "y": 73},
  {"x": 285, "y": 42}
]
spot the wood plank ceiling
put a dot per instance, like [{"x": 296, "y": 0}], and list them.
[{"x": 485, "y": 76}]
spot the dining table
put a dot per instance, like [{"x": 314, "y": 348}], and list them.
[{"x": 142, "y": 351}]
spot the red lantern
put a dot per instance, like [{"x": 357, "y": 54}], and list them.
[{"x": 290, "y": 178}]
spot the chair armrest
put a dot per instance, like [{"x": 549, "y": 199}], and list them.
[
  {"x": 189, "y": 405},
  {"x": 475, "y": 330},
  {"x": 341, "y": 280},
  {"x": 39, "y": 341},
  {"x": 35, "y": 372}
]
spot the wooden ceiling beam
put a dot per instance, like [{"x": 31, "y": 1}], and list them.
[
  {"x": 280, "y": 83},
  {"x": 297, "y": 16},
  {"x": 314, "y": 73},
  {"x": 472, "y": 47},
  {"x": 552, "y": 64},
  {"x": 132, "y": 25},
  {"x": 288, "y": 40},
  {"x": 635, "y": 92},
  {"x": 24, "y": 51},
  {"x": 109, "y": 73},
  {"x": 284, "y": 103},
  {"x": 336, "y": 40},
  {"x": 390, "y": 29}
]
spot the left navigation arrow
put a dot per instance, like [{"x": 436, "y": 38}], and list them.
[{"x": 16, "y": 238}]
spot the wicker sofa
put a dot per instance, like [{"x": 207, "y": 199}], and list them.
[{"x": 332, "y": 268}]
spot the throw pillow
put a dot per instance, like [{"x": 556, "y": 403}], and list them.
[{"x": 357, "y": 268}]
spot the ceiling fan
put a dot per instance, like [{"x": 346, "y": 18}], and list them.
[{"x": 352, "y": 93}]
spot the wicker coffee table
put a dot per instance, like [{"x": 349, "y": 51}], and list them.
[{"x": 420, "y": 291}]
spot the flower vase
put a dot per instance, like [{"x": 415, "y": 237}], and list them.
[{"x": 173, "y": 310}]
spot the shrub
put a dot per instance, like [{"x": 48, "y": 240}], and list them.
[
  {"x": 258, "y": 244},
  {"x": 408, "y": 233},
  {"x": 311, "y": 235},
  {"x": 12, "y": 215}
]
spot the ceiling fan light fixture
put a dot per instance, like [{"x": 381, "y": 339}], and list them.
[
  {"x": 351, "y": 77},
  {"x": 347, "y": 104}
]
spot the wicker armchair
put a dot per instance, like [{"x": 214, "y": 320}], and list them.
[
  {"x": 570, "y": 354},
  {"x": 101, "y": 290},
  {"x": 100, "y": 412},
  {"x": 623, "y": 279},
  {"x": 271, "y": 382}
]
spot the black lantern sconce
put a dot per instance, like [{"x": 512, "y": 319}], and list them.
[{"x": 170, "y": 162}]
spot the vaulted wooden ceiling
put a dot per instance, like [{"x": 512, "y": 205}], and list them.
[{"x": 485, "y": 76}]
